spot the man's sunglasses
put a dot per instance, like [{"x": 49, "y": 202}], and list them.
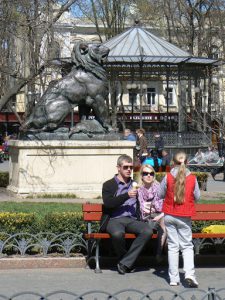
[
  {"x": 148, "y": 173},
  {"x": 127, "y": 167}
]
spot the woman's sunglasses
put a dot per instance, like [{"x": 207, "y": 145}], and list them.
[{"x": 148, "y": 173}]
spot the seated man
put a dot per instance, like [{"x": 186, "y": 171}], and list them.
[{"x": 120, "y": 203}]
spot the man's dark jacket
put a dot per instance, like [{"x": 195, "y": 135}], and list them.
[{"x": 111, "y": 201}]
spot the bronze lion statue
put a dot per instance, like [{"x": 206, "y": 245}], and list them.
[{"x": 85, "y": 86}]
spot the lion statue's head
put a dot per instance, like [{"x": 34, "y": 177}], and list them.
[{"x": 90, "y": 57}]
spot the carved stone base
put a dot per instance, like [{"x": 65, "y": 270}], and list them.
[
  {"x": 52, "y": 167},
  {"x": 84, "y": 130}
]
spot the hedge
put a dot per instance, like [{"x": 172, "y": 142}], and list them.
[
  {"x": 31, "y": 223},
  {"x": 58, "y": 223}
]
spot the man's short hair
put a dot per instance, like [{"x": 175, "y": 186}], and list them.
[
  {"x": 127, "y": 130},
  {"x": 122, "y": 158}
]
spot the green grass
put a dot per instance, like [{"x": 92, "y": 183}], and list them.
[
  {"x": 43, "y": 208},
  {"x": 218, "y": 201},
  {"x": 40, "y": 208}
]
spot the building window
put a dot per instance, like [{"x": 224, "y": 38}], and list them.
[
  {"x": 151, "y": 96},
  {"x": 132, "y": 98},
  {"x": 170, "y": 96}
]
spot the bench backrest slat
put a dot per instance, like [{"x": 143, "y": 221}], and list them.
[
  {"x": 210, "y": 207},
  {"x": 93, "y": 212},
  {"x": 90, "y": 207},
  {"x": 94, "y": 216}
]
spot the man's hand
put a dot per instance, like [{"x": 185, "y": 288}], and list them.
[{"x": 132, "y": 193}]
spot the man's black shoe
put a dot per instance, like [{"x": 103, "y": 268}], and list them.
[
  {"x": 121, "y": 269},
  {"x": 213, "y": 176}
]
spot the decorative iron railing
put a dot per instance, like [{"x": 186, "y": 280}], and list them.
[
  {"x": 68, "y": 244},
  {"x": 45, "y": 243},
  {"x": 182, "y": 139},
  {"x": 126, "y": 294}
]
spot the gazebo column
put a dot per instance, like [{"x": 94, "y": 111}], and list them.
[{"x": 182, "y": 113}]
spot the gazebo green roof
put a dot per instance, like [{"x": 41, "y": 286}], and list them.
[{"x": 137, "y": 44}]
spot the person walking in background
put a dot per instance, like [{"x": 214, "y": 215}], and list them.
[
  {"x": 121, "y": 206},
  {"x": 180, "y": 190},
  {"x": 128, "y": 135},
  {"x": 166, "y": 159},
  {"x": 159, "y": 144},
  {"x": 142, "y": 144},
  {"x": 151, "y": 204},
  {"x": 152, "y": 160}
]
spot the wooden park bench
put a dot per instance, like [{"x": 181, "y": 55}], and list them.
[{"x": 205, "y": 212}]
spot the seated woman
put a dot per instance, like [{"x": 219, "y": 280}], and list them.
[{"x": 151, "y": 204}]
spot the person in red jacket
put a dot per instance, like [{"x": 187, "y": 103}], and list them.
[{"x": 180, "y": 190}]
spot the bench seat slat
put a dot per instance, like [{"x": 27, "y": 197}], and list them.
[
  {"x": 133, "y": 236},
  {"x": 208, "y": 235},
  {"x": 208, "y": 216},
  {"x": 107, "y": 236}
]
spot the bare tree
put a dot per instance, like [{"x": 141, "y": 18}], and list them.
[
  {"x": 108, "y": 16},
  {"x": 196, "y": 26},
  {"x": 24, "y": 25}
]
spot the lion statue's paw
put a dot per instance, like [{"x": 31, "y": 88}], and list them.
[{"x": 87, "y": 126}]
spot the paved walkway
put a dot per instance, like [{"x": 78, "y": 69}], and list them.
[
  {"x": 82, "y": 280},
  {"x": 215, "y": 190},
  {"x": 79, "y": 280}
]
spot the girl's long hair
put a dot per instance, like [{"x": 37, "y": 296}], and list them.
[{"x": 180, "y": 159}]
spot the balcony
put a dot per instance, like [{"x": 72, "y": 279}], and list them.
[{"x": 136, "y": 108}]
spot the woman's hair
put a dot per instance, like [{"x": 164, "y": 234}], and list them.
[
  {"x": 140, "y": 130},
  {"x": 180, "y": 159},
  {"x": 139, "y": 177}
]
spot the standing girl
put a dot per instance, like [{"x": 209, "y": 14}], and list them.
[
  {"x": 180, "y": 189},
  {"x": 151, "y": 205}
]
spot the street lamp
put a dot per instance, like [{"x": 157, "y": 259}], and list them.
[
  {"x": 134, "y": 88},
  {"x": 143, "y": 87},
  {"x": 32, "y": 99},
  {"x": 166, "y": 96}
]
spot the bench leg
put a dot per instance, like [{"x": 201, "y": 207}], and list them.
[
  {"x": 90, "y": 245},
  {"x": 97, "y": 266}
]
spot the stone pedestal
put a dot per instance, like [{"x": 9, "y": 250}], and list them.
[{"x": 51, "y": 167}]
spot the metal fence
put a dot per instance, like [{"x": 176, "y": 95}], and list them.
[
  {"x": 126, "y": 294},
  {"x": 44, "y": 243},
  {"x": 67, "y": 244},
  {"x": 182, "y": 139}
]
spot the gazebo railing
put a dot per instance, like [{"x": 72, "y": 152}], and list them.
[{"x": 182, "y": 139}]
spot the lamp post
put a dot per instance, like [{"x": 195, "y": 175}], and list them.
[
  {"x": 166, "y": 96},
  {"x": 143, "y": 87},
  {"x": 132, "y": 87}
]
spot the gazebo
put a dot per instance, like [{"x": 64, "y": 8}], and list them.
[{"x": 138, "y": 55}]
